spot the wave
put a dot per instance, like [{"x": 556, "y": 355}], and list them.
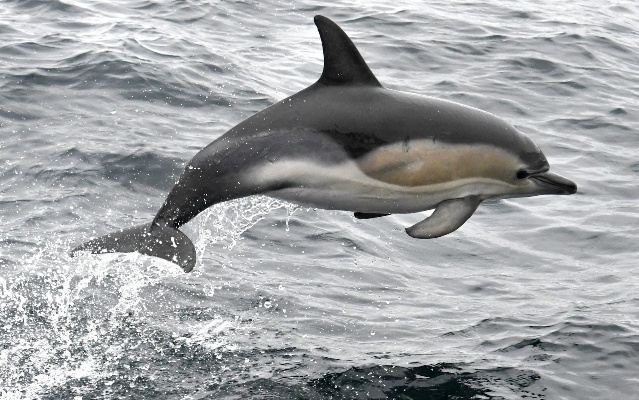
[
  {"x": 76, "y": 167},
  {"x": 186, "y": 86}
]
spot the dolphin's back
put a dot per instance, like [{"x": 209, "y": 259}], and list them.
[{"x": 361, "y": 119}]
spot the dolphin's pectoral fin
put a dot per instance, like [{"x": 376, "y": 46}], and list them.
[
  {"x": 361, "y": 215},
  {"x": 447, "y": 217},
  {"x": 160, "y": 241}
]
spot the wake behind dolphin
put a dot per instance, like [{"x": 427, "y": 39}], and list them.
[{"x": 348, "y": 143}]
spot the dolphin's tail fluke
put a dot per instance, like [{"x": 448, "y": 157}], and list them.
[{"x": 159, "y": 241}]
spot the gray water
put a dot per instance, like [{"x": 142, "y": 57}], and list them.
[{"x": 102, "y": 103}]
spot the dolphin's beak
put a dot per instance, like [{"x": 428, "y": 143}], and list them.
[{"x": 556, "y": 183}]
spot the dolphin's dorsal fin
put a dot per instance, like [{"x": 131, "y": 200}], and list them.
[{"x": 343, "y": 65}]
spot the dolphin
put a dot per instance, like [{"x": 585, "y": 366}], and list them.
[{"x": 348, "y": 143}]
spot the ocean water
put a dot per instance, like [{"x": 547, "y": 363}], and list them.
[{"x": 102, "y": 103}]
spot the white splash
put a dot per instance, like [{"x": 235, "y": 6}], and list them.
[
  {"x": 224, "y": 223},
  {"x": 68, "y": 321}
]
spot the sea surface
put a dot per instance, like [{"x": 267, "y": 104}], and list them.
[{"x": 103, "y": 102}]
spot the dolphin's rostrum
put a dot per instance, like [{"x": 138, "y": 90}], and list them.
[{"x": 348, "y": 143}]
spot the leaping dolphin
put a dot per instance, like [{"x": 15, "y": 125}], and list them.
[{"x": 348, "y": 143}]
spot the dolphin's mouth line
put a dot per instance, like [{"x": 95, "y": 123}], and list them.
[
  {"x": 526, "y": 173},
  {"x": 566, "y": 186}
]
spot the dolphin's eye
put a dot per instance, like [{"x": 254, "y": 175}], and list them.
[{"x": 521, "y": 174}]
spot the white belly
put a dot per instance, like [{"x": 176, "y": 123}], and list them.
[{"x": 345, "y": 187}]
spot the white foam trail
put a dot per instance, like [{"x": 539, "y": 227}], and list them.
[
  {"x": 224, "y": 223},
  {"x": 69, "y": 318}
]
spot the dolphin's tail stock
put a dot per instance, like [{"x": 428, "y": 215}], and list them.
[{"x": 158, "y": 241}]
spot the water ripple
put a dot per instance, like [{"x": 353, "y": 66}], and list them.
[{"x": 102, "y": 103}]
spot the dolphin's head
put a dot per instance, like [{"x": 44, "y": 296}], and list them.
[
  {"x": 537, "y": 181},
  {"x": 531, "y": 176}
]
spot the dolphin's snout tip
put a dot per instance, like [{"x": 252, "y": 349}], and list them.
[{"x": 557, "y": 183}]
